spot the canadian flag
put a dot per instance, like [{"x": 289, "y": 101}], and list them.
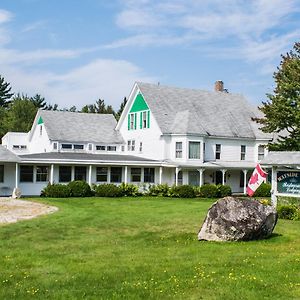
[{"x": 257, "y": 178}]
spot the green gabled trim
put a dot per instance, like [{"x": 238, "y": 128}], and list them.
[
  {"x": 148, "y": 123},
  {"x": 139, "y": 104},
  {"x": 40, "y": 121}
]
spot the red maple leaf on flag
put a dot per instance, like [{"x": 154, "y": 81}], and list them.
[{"x": 254, "y": 178}]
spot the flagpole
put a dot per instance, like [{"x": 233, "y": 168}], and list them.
[{"x": 274, "y": 187}]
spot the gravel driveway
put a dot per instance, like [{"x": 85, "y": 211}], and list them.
[{"x": 13, "y": 210}]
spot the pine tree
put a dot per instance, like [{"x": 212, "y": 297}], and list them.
[
  {"x": 5, "y": 92},
  {"x": 39, "y": 101},
  {"x": 122, "y": 106},
  {"x": 282, "y": 109}
]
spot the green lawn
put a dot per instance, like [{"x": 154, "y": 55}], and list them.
[{"x": 145, "y": 248}]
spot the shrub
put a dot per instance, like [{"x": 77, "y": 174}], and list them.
[
  {"x": 80, "y": 188},
  {"x": 288, "y": 212},
  {"x": 224, "y": 190},
  {"x": 209, "y": 191},
  {"x": 159, "y": 190},
  {"x": 108, "y": 190},
  {"x": 129, "y": 189},
  {"x": 264, "y": 190},
  {"x": 182, "y": 191},
  {"x": 56, "y": 191}
]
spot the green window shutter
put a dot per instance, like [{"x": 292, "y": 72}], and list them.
[
  {"x": 141, "y": 120},
  {"x": 128, "y": 121},
  {"x": 135, "y": 115},
  {"x": 148, "y": 123}
]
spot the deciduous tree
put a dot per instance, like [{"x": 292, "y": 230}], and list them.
[{"x": 282, "y": 109}]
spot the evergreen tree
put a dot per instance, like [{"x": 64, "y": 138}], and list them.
[
  {"x": 98, "y": 108},
  {"x": 122, "y": 106},
  {"x": 39, "y": 101},
  {"x": 282, "y": 109},
  {"x": 5, "y": 92},
  {"x": 20, "y": 114}
]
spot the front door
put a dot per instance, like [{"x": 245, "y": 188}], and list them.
[
  {"x": 219, "y": 177},
  {"x": 194, "y": 178}
]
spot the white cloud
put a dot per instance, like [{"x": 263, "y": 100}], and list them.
[
  {"x": 245, "y": 29},
  {"x": 5, "y": 16},
  {"x": 103, "y": 78}
]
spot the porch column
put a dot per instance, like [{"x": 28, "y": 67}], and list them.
[
  {"x": 201, "y": 170},
  {"x": 17, "y": 176},
  {"x": 223, "y": 176},
  {"x": 90, "y": 175},
  {"x": 160, "y": 175},
  {"x": 274, "y": 187},
  {"x": 177, "y": 170},
  {"x": 126, "y": 174},
  {"x": 52, "y": 174},
  {"x": 245, "y": 181}
]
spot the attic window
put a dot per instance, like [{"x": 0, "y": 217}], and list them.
[
  {"x": 78, "y": 147},
  {"x": 41, "y": 130},
  {"x": 66, "y": 146},
  {"x": 54, "y": 146}
]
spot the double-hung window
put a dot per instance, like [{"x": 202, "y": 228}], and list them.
[
  {"x": 261, "y": 152},
  {"x": 42, "y": 173},
  {"x": 26, "y": 173},
  {"x": 131, "y": 121},
  {"x": 111, "y": 148},
  {"x": 80, "y": 173},
  {"x": 218, "y": 151},
  {"x": 101, "y": 174},
  {"x": 131, "y": 145},
  {"x": 116, "y": 174},
  {"x": 194, "y": 150},
  {"x": 243, "y": 152},
  {"x": 149, "y": 176},
  {"x": 65, "y": 173},
  {"x": 144, "y": 119},
  {"x": 178, "y": 150},
  {"x": 136, "y": 174}
]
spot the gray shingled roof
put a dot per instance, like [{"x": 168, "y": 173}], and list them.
[
  {"x": 80, "y": 127},
  {"x": 282, "y": 158},
  {"x": 190, "y": 111},
  {"x": 7, "y": 156},
  {"x": 83, "y": 157}
]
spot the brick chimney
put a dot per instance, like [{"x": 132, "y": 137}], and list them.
[{"x": 219, "y": 86}]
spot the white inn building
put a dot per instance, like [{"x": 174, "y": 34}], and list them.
[{"x": 165, "y": 135}]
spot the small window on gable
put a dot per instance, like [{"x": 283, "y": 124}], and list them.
[
  {"x": 55, "y": 146},
  {"x": 243, "y": 152},
  {"x": 261, "y": 152},
  {"x": 41, "y": 130},
  {"x": 131, "y": 121},
  {"x": 141, "y": 147},
  {"x": 131, "y": 145},
  {"x": 218, "y": 151},
  {"x": 144, "y": 119},
  {"x": 178, "y": 150}
]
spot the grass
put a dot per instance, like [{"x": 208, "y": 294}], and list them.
[{"x": 127, "y": 248}]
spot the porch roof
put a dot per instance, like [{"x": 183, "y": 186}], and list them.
[
  {"x": 218, "y": 165},
  {"x": 7, "y": 156},
  {"x": 282, "y": 158},
  {"x": 59, "y": 157}
]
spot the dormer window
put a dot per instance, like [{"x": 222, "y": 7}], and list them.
[
  {"x": 78, "y": 147},
  {"x": 55, "y": 146},
  {"x": 66, "y": 146},
  {"x": 100, "y": 148},
  {"x": 90, "y": 147},
  {"x": 111, "y": 148}
]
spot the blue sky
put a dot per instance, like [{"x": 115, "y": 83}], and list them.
[{"x": 74, "y": 52}]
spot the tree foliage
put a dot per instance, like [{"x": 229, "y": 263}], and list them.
[
  {"x": 5, "y": 92},
  {"x": 122, "y": 106},
  {"x": 20, "y": 114},
  {"x": 98, "y": 108},
  {"x": 282, "y": 109}
]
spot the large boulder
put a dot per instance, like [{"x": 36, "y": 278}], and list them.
[{"x": 234, "y": 219}]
